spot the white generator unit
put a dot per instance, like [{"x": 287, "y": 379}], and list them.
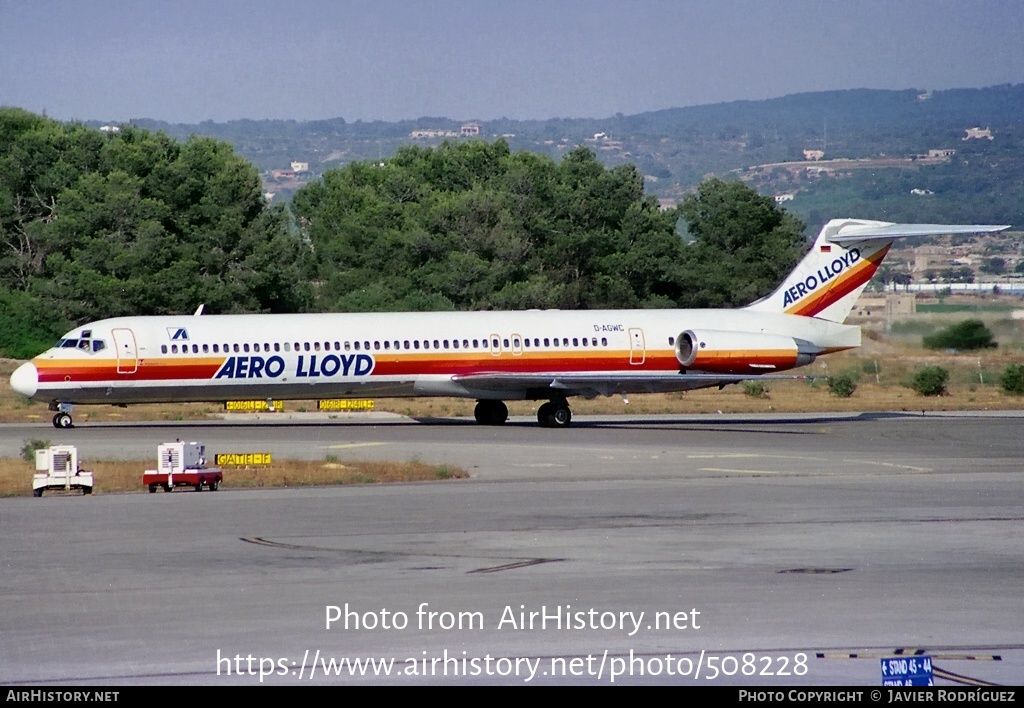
[
  {"x": 182, "y": 464},
  {"x": 57, "y": 469}
]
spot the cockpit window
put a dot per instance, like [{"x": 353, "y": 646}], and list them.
[{"x": 85, "y": 344}]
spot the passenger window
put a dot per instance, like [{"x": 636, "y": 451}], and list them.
[
  {"x": 555, "y": 341},
  {"x": 387, "y": 344},
  {"x": 195, "y": 348},
  {"x": 455, "y": 344},
  {"x": 287, "y": 347},
  {"x": 436, "y": 344},
  {"x": 163, "y": 348},
  {"x": 216, "y": 349},
  {"x": 316, "y": 346},
  {"x": 305, "y": 345},
  {"x": 174, "y": 349},
  {"x": 206, "y": 349},
  {"x": 604, "y": 341},
  {"x": 671, "y": 341},
  {"x": 245, "y": 347},
  {"x": 235, "y": 347},
  {"x": 277, "y": 346},
  {"x": 426, "y": 344},
  {"x": 357, "y": 346},
  {"x": 575, "y": 342}
]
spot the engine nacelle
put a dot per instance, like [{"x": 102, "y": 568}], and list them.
[{"x": 740, "y": 352}]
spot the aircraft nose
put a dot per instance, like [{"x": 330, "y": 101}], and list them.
[{"x": 25, "y": 379}]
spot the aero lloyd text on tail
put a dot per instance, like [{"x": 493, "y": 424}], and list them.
[{"x": 493, "y": 357}]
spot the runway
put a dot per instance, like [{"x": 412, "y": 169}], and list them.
[{"x": 742, "y": 550}]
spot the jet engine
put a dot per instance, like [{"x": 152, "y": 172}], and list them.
[{"x": 740, "y": 352}]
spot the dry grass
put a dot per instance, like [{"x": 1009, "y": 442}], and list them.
[{"x": 111, "y": 477}]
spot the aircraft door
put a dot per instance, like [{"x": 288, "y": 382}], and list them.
[
  {"x": 495, "y": 342},
  {"x": 637, "y": 350},
  {"x": 127, "y": 351}
]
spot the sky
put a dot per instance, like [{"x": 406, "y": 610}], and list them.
[{"x": 194, "y": 60}]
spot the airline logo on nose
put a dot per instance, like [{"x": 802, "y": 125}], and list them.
[{"x": 177, "y": 333}]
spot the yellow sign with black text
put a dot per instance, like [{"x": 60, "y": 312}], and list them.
[
  {"x": 345, "y": 405},
  {"x": 244, "y": 459}
]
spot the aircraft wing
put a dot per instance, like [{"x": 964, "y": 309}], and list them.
[{"x": 606, "y": 384}]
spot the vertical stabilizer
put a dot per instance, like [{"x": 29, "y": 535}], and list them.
[{"x": 847, "y": 252}]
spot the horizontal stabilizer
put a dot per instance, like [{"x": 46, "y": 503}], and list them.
[{"x": 853, "y": 232}]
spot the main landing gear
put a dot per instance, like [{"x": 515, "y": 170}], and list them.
[{"x": 553, "y": 414}]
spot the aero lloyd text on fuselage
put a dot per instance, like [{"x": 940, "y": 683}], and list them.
[
  {"x": 272, "y": 367},
  {"x": 822, "y": 276}
]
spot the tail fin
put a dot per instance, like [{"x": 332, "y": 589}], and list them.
[{"x": 847, "y": 252}]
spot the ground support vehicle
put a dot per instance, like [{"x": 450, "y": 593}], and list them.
[
  {"x": 181, "y": 464},
  {"x": 57, "y": 469}
]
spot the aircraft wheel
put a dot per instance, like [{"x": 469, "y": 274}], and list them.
[
  {"x": 213, "y": 486},
  {"x": 561, "y": 416},
  {"x": 490, "y": 412},
  {"x": 152, "y": 489},
  {"x": 86, "y": 490},
  {"x": 199, "y": 487},
  {"x": 544, "y": 414},
  {"x": 37, "y": 492},
  {"x": 166, "y": 487},
  {"x": 62, "y": 420}
]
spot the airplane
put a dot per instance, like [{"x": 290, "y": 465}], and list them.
[{"x": 493, "y": 357}]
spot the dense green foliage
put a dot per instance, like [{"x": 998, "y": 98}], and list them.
[
  {"x": 930, "y": 381},
  {"x": 745, "y": 245},
  {"x": 843, "y": 385},
  {"x": 964, "y": 336},
  {"x": 1012, "y": 379},
  {"x": 472, "y": 225},
  {"x": 98, "y": 225}
]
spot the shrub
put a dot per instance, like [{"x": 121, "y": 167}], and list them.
[
  {"x": 842, "y": 385},
  {"x": 930, "y": 381},
  {"x": 1012, "y": 379},
  {"x": 755, "y": 389},
  {"x": 967, "y": 335},
  {"x": 28, "y": 450}
]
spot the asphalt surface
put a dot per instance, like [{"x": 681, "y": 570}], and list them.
[{"x": 762, "y": 550}]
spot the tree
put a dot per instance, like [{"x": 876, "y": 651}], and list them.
[
  {"x": 133, "y": 223},
  {"x": 1012, "y": 379},
  {"x": 744, "y": 244},
  {"x": 968, "y": 335},
  {"x": 930, "y": 381}
]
